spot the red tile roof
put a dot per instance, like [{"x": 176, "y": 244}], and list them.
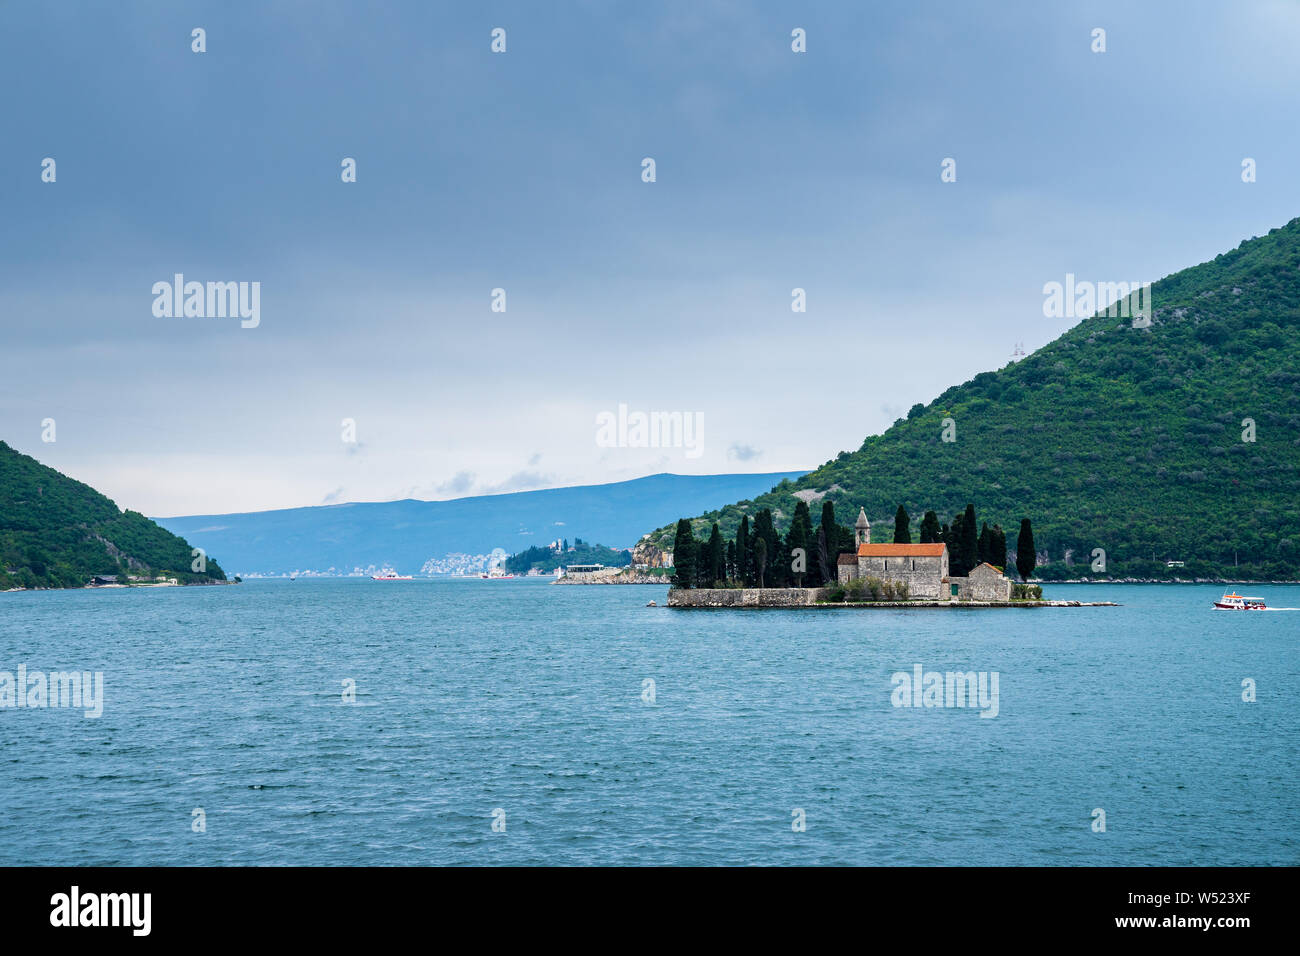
[
  {"x": 901, "y": 550},
  {"x": 847, "y": 559}
]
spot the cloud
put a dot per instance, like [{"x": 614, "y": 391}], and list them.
[
  {"x": 743, "y": 452},
  {"x": 535, "y": 459},
  {"x": 460, "y": 484},
  {"x": 521, "y": 481},
  {"x": 334, "y": 497}
]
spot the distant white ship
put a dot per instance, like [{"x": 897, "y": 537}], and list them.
[{"x": 391, "y": 576}]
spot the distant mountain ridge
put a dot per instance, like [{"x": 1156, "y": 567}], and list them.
[
  {"x": 56, "y": 532},
  {"x": 1126, "y": 446},
  {"x": 404, "y": 535}
]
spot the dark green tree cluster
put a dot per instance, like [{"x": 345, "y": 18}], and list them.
[
  {"x": 547, "y": 560},
  {"x": 760, "y": 556},
  {"x": 970, "y": 544}
]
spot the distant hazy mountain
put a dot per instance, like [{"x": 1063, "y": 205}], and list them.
[{"x": 405, "y": 535}]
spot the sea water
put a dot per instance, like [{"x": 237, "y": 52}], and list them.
[{"x": 346, "y": 722}]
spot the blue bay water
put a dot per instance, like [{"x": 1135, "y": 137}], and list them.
[{"x": 476, "y": 695}]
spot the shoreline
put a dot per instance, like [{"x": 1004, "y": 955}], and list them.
[
  {"x": 884, "y": 605},
  {"x": 1044, "y": 582},
  {"x": 665, "y": 581},
  {"x": 714, "y": 598},
  {"x": 122, "y": 587}
]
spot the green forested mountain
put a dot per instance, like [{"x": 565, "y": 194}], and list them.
[
  {"x": 57, "y": 532},
  {"x": 1176, "y": 442}
]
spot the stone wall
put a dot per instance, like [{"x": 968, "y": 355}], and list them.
[
  {"x": 985, "y": 590},
  {"x": 745, "y": 597},
  {"x": 983, "y": 584},
  {"x": 925, "y": 581},
  {"x": 809, "y": 597}
]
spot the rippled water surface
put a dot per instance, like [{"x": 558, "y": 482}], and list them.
[{"x": 476, "y": 695}]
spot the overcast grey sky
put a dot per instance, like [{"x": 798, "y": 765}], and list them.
[{"x": 522, "y": 170}]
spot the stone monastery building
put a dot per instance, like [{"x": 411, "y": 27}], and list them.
[{"x": 922, "y": 567}]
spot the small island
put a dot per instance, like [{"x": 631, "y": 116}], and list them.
[
  {"x": 584, "y": 563},
  {"x": 899, "y": 574}
]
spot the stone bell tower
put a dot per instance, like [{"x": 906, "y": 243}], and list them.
[{"x": 862, "y": 528}]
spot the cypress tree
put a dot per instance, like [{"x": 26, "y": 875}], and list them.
[
  {"x": 703, "y": 561},
  {"x": 717, "y": 570},
  {"x": 970, "y": 540},
  {"x": 1026, "y": 555},
  {"x": 731, "y": 560},
  {"x": 985, "y": 544},
  {"x": 839, "y": 538},
  {"x": 826, "y": 571},
  {"x": 760, "y": 558},
  {"x": 848, "y": 540},
  {"x": 744, "y": 557},
  {"x": 684, "y": 555},
  {"x": 952, "y": 538},
  {"x": 832, "y": 529},
  {"x": 765, "y": 531},
  {"x": 999, "y": 557},
  {"x": 780, "y": 565},
  {"x": 902, "y": 527},
  {"x": 797, "y": 539},
  {"x": 930, "y": 530}
]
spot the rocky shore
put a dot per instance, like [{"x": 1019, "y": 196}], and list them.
[{"x": 614, "y": 576}]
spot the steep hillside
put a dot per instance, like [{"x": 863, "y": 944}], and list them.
[
  {"x": 444, "y": 535},
  {"x": 1132, "y": 440},
  {"x": 57, "y": 532}
]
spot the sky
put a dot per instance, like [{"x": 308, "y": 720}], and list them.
[{"x": 523, "y": 171}]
